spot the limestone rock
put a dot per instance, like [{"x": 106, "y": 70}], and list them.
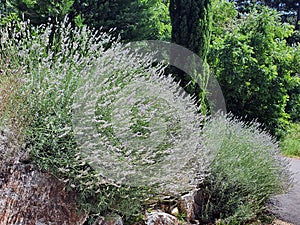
[
  {"x": 29, "y": 196},
  {"x": 109, "y": 220},
  {"x": 175, "y": 211},
  {"x": 161, "y": 218},
  {"x": 187, "y": 205}
]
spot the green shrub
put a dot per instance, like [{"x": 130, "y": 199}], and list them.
[
  {"x": 246, "y": 170},
  {"x": 290, "y": 145},
  {"x": 256, "y": 69},
  {"x": 65, "y": 67}
]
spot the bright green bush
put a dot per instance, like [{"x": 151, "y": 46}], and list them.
[
  {"x": 246, "y": 170},
  {"x": 38, "y": 12},
  {"x": 132, "y": 19},
  {"x": 290, "y": 145},
  {"x": 293, "y": 104},
  {"x": 256, "y": 68}
]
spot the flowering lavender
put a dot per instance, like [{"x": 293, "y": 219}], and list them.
[
  {"x": 104, "y": 120},
  {"x": 137, "y": 127},
  {"x": 246, "y": 170}
]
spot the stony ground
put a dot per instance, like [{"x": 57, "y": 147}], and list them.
[{"x": 288, "y": 205}]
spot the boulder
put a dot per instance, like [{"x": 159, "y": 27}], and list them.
[
  {"x": 187, "y": 205},
  {"x": 29, "y": 196},
  {"x": 161, "y": 218},
  {"x": 109, "y": 220}
]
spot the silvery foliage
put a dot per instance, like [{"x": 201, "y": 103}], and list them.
[
  {"x": 137, "y": 127},
  {"x": 238, "y": 144},
  {"x": 52, "y": 68},
  {"x": 132, "y": 124},
  {"x": 245, "y": 171},
  {"x": 8, "y": 144},
  {"x": 50, "y": 73}
]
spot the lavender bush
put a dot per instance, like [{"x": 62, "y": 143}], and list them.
[
  {"x": 105, "y": 120},
  {"x": 246, "y": 170},
  {"x": 102, "y": 118},
  {"x": 144, "y": 132}
]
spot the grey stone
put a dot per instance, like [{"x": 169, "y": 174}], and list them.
[
  {"x": 187, "y": 205},
  {"x": 109, "y": 220},
  {"x": 161, "y": 218}
]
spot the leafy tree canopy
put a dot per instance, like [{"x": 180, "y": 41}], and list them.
[
  {"x": 256, "y": 68},
  {"x": 131, "y": 19},
  {"x": 289, "y": 9}
]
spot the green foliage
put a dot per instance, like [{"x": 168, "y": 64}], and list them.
[
  {"x": 246, "y": 170},
  {"x": 9, "y": 18},
  {"x": 224, "y": 14},
  {"x": 191, "y": 28},
  {"x": 293, "y": 105},
  {"x": 39, "y": 11},
  {"x": 7, "y": 13},
  {"x": 255, "y": 68},
  {"x": 191, "y": 25},
  {"x": 289, "y": 9},
  {"x": 132, "y": 19},
  {"x": 290, "y": 145},
  {"x": 159, "y": 20}
]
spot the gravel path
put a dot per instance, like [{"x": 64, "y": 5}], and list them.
[{"x": 289, "y": 204}]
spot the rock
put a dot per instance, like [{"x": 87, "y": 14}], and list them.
[
  {"x": 187, "y": 206},
  {"x": 175, "y": 211},
  {"x": 109, "y": 220},
  {"x": 29, "y": 196},
  {"x": 280, "y": 222},
  {"x": 161, "y": 218}
]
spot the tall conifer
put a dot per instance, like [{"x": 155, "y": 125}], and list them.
[{"x": 191, "y": 28}]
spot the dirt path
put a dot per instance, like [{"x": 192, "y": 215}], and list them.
[{"x": 289, "y": 204}]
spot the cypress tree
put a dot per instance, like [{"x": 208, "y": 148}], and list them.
[
  {"x": 191, "y": 24},
  {"x": 191, "y": 28}
]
